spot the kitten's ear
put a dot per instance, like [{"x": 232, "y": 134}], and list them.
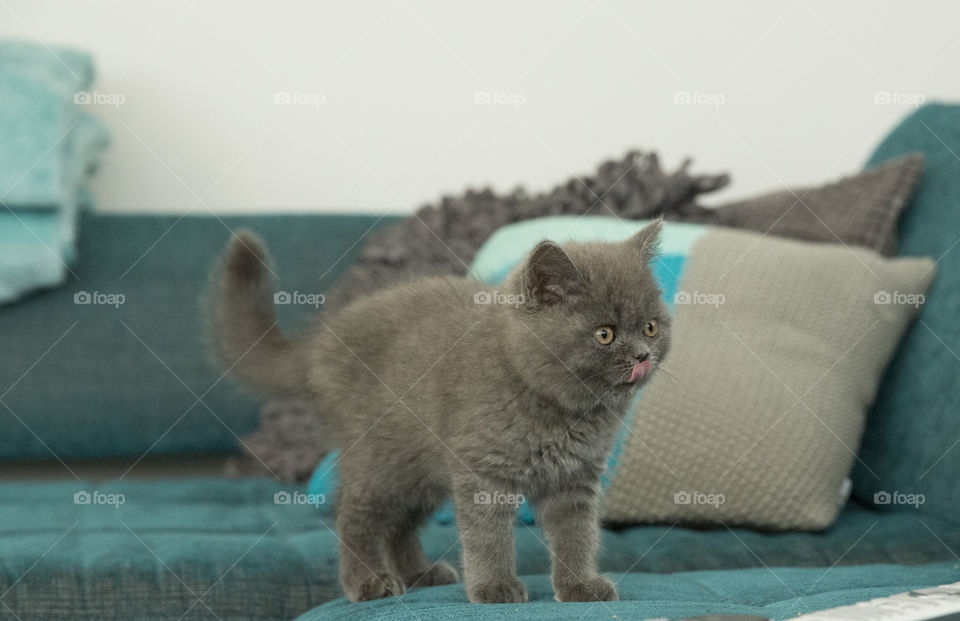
[
  {"x": 647, "y": 240},
  {"x": 551, "y": 277}
]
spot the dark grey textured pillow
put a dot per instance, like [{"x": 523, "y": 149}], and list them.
[{"x": 859, "y": 210}]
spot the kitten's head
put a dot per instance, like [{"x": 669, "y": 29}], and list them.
[{"x": 593, "y": 326}]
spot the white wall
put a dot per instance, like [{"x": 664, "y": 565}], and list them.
[{"x": 398, "y": 124}]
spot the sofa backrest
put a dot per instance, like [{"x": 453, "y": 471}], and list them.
[
  {"x": 912, "y": 442},
  {"x": 113, "y": 363}
]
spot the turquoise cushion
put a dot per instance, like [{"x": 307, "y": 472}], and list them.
[
  {"x": 912, "y": 440},
  {"x": 169, "y": 541},
  {"x": 510, "y": 244},
  {"x": 506, "y": 248},
  {"x": 93, "y": 380},
  {"x": 778, "y": 593}
]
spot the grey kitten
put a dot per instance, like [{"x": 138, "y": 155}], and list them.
[{"x": 439, "y": 388}]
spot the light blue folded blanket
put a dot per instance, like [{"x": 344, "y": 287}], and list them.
[{"x": 49, "y": 147}]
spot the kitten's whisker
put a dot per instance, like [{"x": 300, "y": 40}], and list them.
[{"x": 671, "y": 376}]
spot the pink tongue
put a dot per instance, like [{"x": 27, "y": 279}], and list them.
[{"x": 640, "y": 370}]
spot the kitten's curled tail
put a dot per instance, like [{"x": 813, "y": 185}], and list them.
[{"x": 242, "y": 325}]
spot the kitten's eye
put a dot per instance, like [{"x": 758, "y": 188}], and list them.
[
  {"x": 651, "y": 328},
  {"x": 604, "y": 335}
]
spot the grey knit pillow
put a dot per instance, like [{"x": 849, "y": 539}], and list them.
[
  {"x": 859, "y": 210},
  {"x": 778, "y": 349}
]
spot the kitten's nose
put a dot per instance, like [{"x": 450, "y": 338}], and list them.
[{"x": 642, "y": 357}]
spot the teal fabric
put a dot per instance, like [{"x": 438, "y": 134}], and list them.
[
  {"x": 106, "y": 379},
  {"x": 912, "y": 440},
  {"x": 49, "y": 146},
  {"x": 275, "y": 560},
  {"x": 777, "y": 593}
]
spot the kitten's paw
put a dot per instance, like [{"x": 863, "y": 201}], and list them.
[
  {"x": 510, "y": 591},
  {"x": 440, "y": 573},
  {"x": 374, "y": 587},
  {"x": 598, "y": 589}
]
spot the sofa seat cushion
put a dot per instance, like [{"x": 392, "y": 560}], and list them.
[
  {"x": 152, "y": 549},
  {"x": 778, "y": 593}
]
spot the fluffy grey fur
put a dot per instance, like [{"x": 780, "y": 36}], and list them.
[
  {"x": 443, "y": 238},
  {"x": 429, "y": 394}
]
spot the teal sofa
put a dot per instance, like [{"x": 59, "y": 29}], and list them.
[{"x": 129, "y": 379}]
